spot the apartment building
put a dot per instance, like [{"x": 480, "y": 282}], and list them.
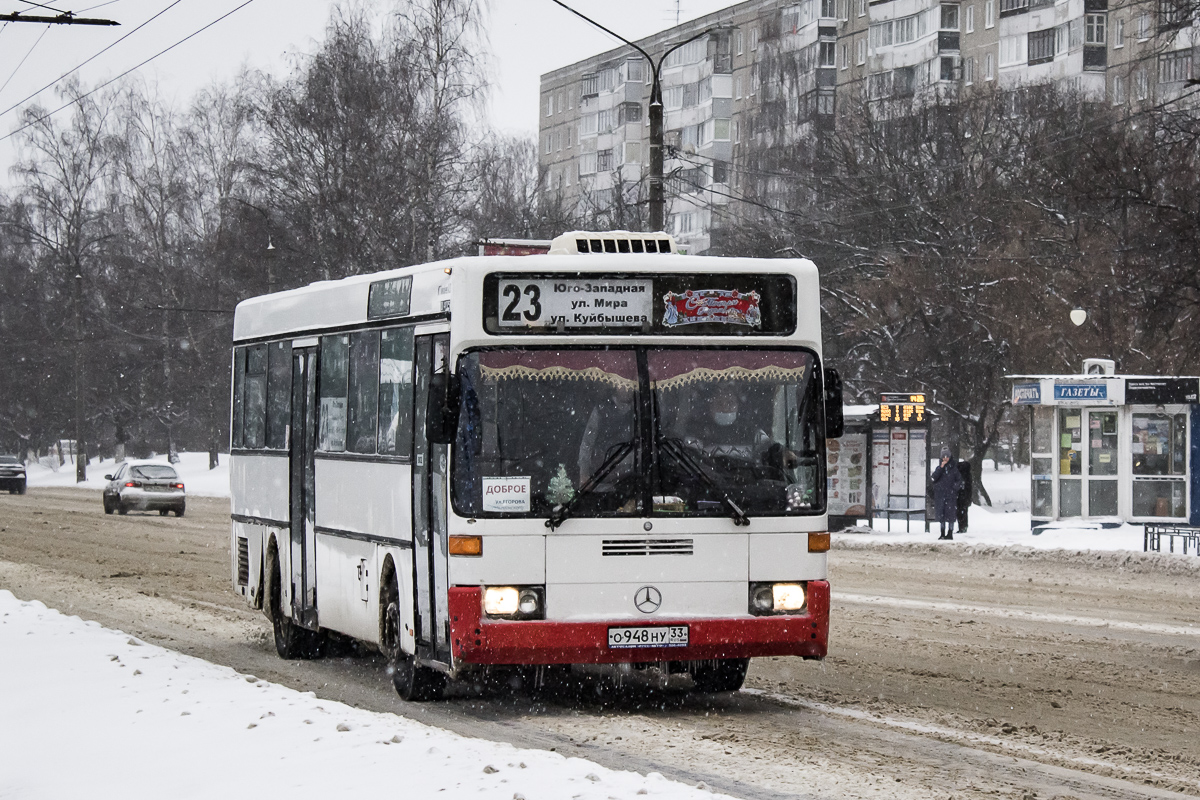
[{"x": 777, "y": 69}]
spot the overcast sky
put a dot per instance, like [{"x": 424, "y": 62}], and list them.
[{"x": 527, "y": 38}]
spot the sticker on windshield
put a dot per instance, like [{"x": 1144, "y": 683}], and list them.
[
  {"x": 726, "y": 306},
  {"x": 506, "y": 494}
]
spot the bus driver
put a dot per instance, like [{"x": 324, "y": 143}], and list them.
[{"x": 726, "y": 431}]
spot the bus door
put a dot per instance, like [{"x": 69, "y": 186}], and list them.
[
  {"x": 302, "y": 487},
  {"x": 430, "y": 538}
]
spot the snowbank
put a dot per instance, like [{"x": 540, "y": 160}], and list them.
[
  {"x": 192, "y": 467},
  {"x": 91, "y": 712}
]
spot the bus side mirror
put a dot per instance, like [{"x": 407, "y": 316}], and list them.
[
  {"x": 441, "y": 413},
  {"x": 835, "y": 422}
]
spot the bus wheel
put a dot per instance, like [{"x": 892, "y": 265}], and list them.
[
  {"x": 412, "y": 681},
  {"x": 291, "y": 641},
  {"x": 720, "y": 675}
]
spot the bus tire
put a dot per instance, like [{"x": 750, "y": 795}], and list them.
[
  {"x": 291, "y": 641},
  {"x": 720, "y": 675},
  {"x": 411, "y": 681}
]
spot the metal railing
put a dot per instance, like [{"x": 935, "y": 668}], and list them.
[{"x": 1189, "y": 538}]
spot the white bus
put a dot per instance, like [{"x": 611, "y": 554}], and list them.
[{"x": 608, "y": 454}]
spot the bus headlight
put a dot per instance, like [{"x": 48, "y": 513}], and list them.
[
  {"x": 500, "y": 601},
  {"x": 788, "y": 596},
  {"x": 514, "y": 602},
  {"x": 776, "y": 598}
]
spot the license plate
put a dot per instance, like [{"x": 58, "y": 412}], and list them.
[{"x": 646, "y": 636}]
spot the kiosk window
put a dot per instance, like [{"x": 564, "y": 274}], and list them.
[
  {"x": 1043, "y": 429},
  {"x": 255, "y": 409},
  {"x": 335, "y": 357},
  {"x": 1070, "y": 444},
  {"x": 1159, "y": 453},
  {"x": 1102, "y": 443},
  {"x": 1159, "y": 444},
  {"x": 395, "y": 392},
  {"x": 279, "y": 394},
  {"x": 364, "y": 392}
]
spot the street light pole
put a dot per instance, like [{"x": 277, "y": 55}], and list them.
[{"x": 654, "y": 113}]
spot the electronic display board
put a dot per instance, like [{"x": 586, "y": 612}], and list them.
[
  {"x": 695, "y": 304},
  {"x": 902, "y": 408}
]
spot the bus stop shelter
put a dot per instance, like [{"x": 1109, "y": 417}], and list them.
[
  {"x": 880, "y": 465},
  {"x": 1113, "y": 448}
]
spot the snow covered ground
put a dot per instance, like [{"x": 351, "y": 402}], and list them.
[
  {"x": 91, "y": 712},
  {"x": 1005, "y": 522},
  {"x": 192, "y": 467}
]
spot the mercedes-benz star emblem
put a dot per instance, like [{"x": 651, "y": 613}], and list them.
[{"x": 647, "y": 599}]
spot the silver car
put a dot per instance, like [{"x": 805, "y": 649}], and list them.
[
  {"x": 12, "y": 475},
  {"x": 144, "y": 486}
]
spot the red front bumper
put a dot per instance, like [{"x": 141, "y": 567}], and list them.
[{"x": 478, "y": 640}]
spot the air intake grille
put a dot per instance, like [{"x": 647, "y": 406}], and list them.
[
  {"x": 243, "y": 562},
  {"x": 646, "y": 547}
]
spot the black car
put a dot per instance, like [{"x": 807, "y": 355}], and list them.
[
  {"x": 12, "y": 475},
  {"x": 144, "y": 486}
]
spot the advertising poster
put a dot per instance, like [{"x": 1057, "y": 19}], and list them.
[
  {"x": 898, "y": 477},
  {"x": 918, "y": 459},
  {"x": 848, "y": 475},
  {"x": 880, "y": 450}
]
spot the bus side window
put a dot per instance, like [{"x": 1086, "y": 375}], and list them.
[
  {"x": 361, "y": 425},
  {"x": 255, "y": 411},
  {"x": 335, "y": 357},
  {"x": 279, "y": 394},
  {"x": 239, "y": 388},
  {"x": 395, "y": 392}
]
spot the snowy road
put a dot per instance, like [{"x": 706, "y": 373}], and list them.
[{"x": 953, "y": 671}]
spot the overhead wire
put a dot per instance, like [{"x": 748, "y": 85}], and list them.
[
  {"x": 79, "y": 66},
  {"x": 22, "y": 62},
  {"x": 134, "y": 68}
]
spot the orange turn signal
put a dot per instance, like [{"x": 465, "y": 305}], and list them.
[
  {"x": 473, "y": 545},
  {"x": 817, "y": 542}
]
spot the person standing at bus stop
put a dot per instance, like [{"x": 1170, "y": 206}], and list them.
[
  {"x": 947, "y": 483},
  {"x": 964, "y": 494}
]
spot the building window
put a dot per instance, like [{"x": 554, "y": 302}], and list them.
[
  {"x": 549, "y": 105},
  {"x": 587, "y": 124},
  {"x": 633, "y": 152},
  {"x": 1141, "y": 86},
  {"x": 860, "y": 51},
  {"x": 1143, "y": 26},
  {"x": 587, "y": 164},
  {"x": 1118, "y": 90},
  {"x": 737, "y": 87},
  {"x": 970, "y": 19},
  {"x": 989, "y": 67},
  {"x": 949, "y": 17},
  {"x": 1173, "y": 13},
  {"x": 843, "y": 10},
  {"x": 1041, "y": 46},
  {"x": 738, "y": 42},
  {"x": 753, "y": 39},
  {"x": 1119, "y": 34},
  {"x": 1012, "y": 50},
  {"x": 948, "y": 68},
  {"x": 989, "y": 14},
  {"x": 1095, "y": 31},
  {"x": 862, "y": 8},
  {"x": 629, "y": 112},
  {"x": 633, "y": 70},
  {"x": 829, "y": 9},
  {"x": 845, "y": 57},
  {"x": 827, "y": 54},
  {"x": 825, "y": 102},
  {"x": 1175, "y": 67},
  {"x": 969, "y": 71},
  {"x": 604, "y": 160},
  {"x": 721, "y": 130}
]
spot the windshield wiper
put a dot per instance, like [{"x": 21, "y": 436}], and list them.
[
  {"x": 560, "y": 513},
  {"x": 677, "y": 451}
]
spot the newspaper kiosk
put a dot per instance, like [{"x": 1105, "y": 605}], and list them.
[{"x": 1112, "y": 448}]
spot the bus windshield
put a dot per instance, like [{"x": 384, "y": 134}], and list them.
[{"x": 639, "y": 431}]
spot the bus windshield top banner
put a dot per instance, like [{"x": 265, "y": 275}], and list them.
[{"x": 704, "y": 304}]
